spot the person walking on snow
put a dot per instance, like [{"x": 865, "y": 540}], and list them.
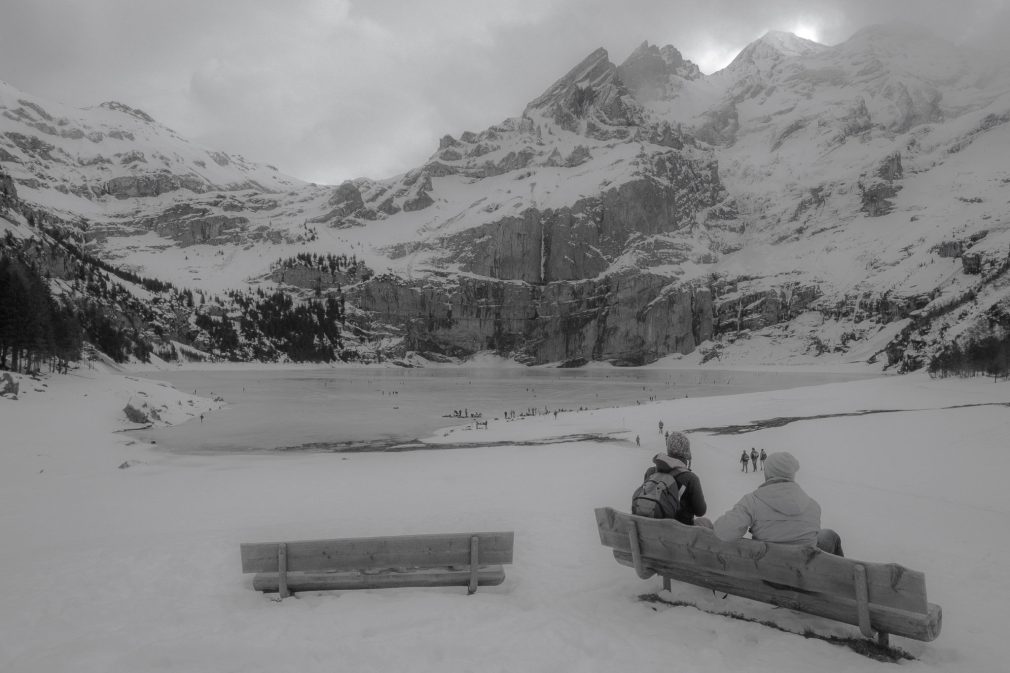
[
  {"x": 764, "y": 457},
  {"x": 779, "y": 511},
  {"x": 744, "y": 461},
  {"x": 661, "y": 427},
  {"x": 754, "y": 458}
]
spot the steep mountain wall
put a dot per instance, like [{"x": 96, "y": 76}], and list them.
[{"x": 630, "y": 318}]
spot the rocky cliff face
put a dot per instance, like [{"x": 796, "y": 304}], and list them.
[{"x": 628, "y": 318}]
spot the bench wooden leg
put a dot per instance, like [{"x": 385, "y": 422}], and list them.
[
  {"x": 474, "y": 564},
  {"x": 636, "y": 552},
  {"x": 282, "y": 570},
  {"x": 862, "y": 601}
]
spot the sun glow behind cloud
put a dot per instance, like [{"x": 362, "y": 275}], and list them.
[{"x": 806, "y": 30}]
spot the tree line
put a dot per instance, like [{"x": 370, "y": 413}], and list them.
[
  {"x": 989, "y": 355},
  {"x": 35, "y": 328},
  {"x": 351, "y": 266}
]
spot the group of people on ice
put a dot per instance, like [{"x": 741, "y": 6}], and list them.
[
  {"x": 752, "y": 458},
  {"x": 776, "y": 511}
]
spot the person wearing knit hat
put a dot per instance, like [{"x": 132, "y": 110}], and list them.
[
  {"x": 779, "y": 511},
  {"x": 679, "y": 446},
  {"x": 677, "y": 461}
]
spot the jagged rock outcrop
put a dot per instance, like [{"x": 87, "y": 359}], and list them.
[
  {"x": 583, "y": 240},
  {"x": 187, "y": 225},
  {"x": 757, "y": 308},
  {"x": 589, "y": 98},
  {"x": 651, "y": 73},
  {"x": 627, "y": 318},
  {"x": 127, "y": 186}
]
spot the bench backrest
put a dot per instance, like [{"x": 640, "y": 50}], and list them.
[
  {"x": 404, "y": 551},
  {"x": 665, "y": 542}
]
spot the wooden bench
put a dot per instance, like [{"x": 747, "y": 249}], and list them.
[
  {"x": 877, "y": 597},
  {"x": 459, "y": 559}
]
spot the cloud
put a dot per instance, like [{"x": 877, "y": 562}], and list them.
[{"x": 333, "y": 89}]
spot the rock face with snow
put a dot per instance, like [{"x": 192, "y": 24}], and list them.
[{"x": 629, "y": 212}]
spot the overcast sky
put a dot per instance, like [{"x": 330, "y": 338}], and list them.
[{"x": 328, "y": 90}]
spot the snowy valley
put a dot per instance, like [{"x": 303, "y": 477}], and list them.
[{"x": 761, "y": 250}]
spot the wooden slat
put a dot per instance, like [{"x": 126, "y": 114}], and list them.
[
  {"x": 799, "y": 568},
  {"x": 405, "y": 551},
  {"x": 916, "y": 625},
  {"x": 432, "y": 577}
]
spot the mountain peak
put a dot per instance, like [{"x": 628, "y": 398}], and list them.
[
  {"x": 592, "y": 72},
  {"x": 591, "y": 93},
  {"x": 789, "y": 44},
  {"x": 772, "y": 48},
  {"x": 653, "y": 73}
]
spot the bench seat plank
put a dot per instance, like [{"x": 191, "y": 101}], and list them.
[
  {"x": 792, "y": 576},
  {"x": 404, "y": 551},
  {"x": 429, "y": 577}
]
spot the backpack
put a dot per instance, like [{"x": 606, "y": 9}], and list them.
[{"x": 658, "y": 497}]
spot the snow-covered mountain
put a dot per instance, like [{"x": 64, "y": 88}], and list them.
[{"x": 847, "y": 199}]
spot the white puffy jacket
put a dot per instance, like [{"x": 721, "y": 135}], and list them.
[{"x": 777, "y": 511}]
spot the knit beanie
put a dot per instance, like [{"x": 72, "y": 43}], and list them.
[
  {"x": 781, "y": 465},
  {"x": 678, "y": 446}
]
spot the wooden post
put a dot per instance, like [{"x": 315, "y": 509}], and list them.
[
  {"x": 474, "y": 564},
  {"x": 636, "y": 552},
  {"x": 282, "y": 570},
  {"x": 862, "y": 601}
]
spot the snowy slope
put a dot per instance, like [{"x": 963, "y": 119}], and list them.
[{"x": 137, "y": 568}]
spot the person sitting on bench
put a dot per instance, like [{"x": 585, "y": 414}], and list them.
[
  {"x": 677, "y": 461},
  {"x": 779, "y": 511}
]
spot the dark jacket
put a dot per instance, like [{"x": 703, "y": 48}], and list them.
[{"x": 692, "y": 502}]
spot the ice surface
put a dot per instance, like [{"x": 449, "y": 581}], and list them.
[{"x": 331, "y": 409}]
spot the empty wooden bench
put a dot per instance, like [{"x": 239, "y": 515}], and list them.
[
  {"x": 877, "y": 597},
  {"x": 457, "y": 559}
]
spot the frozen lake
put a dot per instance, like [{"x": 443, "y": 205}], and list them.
[{"x": 373, "y": 408}]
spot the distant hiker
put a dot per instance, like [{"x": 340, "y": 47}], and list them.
[
  {"x": 670, "y": 484},
  {"x": 754, "y": 458},
  {"x": 661, "y": 427},
  {"x": 638, "y": 440},
  {"x": 201, "y": 418},
  {"x": 764, "y": 457},
  {"x": 779, "y": 511},
  {"x": 744, "y": 461}
]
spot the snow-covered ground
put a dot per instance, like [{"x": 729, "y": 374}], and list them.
[{"x": 137, "y": 569}]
